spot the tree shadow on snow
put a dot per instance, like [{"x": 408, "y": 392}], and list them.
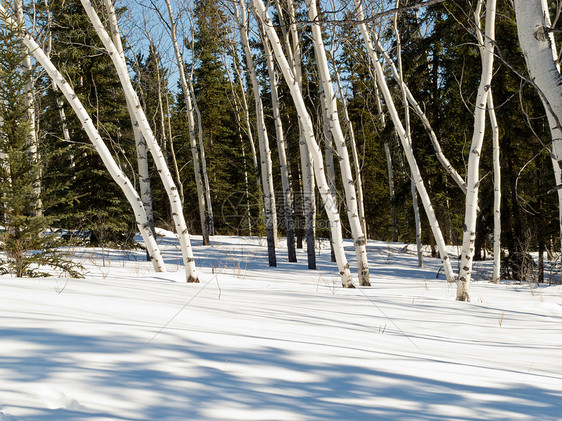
[{"x": 237, "y": 382}]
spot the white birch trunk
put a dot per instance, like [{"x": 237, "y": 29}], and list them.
[
  {"x": 248, "y": 218},
  {"x": 210, "y": 217},
  {"x": 403, "y": 88},
  {"x": 330, "y": 167},
  {"x": 116, "y": 173},
  {"x": 281, "y": 149},
  {"x": 391, "y": 192},
  {"x": 423, "y": 118},
  {"x": 388, "y": 154},
  {"x": 30, "y": 104},
  {"x": 473, "y": 173},
  {"x": 263, "y": 140},
  {"x": 538, "y": 46},
  {"x": 201, "y": 199},
  {"x": 495, "y": 162},
  {"x": 140, "y": 144},
  {"x": 406, "y": 143},
  {"x": 246, "y": 109},
  {"x": 294, "y": 58},
  {"x": 497, "y": 188},
  {"x": 167, "y": 180},
  {"x": 308, "y": 199},
  {"x": 417, "y": 222},
  {"x": 332, "y": 118},
  {"x": 354, "y": 154},
  {"x": 314, "y": 149}
]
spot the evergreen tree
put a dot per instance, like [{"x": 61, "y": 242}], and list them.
[
  {"x": 23, "y": 239},
  {"x": 91, "y": 201}
]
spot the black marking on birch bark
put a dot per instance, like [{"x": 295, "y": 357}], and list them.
[
  {"x": 360, "y": 241},
  {"x": 192, "y": 280},
  {"x": 541, "y": 34},
  {"x": 466, "y": 269}
]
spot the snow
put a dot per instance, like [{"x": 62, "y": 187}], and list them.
[{"x": 256, "y": 343}]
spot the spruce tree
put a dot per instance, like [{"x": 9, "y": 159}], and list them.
[
  {"x": 90, "y": 201},
  {"x": 23, "y": 238}
]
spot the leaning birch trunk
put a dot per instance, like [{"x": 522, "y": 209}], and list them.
[
  {"x": 537, "y": 43},
  {"x": 263, "y": 140},
  {"x": 281, "y": 149},
  {"x": 116, "y": 173},
  {"x": 294, "y": 58},
  {"x": 354, "y": 154},
  {"x": 330, "y": 169},
  {"x": 191, "y": 124},
  {"x": 332, "y": 118},
  {"x": 407, "y": 145},
  {"x": 167, "y": 180},
  {"x": 30, "y": 104},
  {"x": 314, "y": 149},
  {"x": 246, "y": 109},
  {"x": 307, "y": 168},
  {"x": 423, "y": 118},
  {"x": 140, "y": 144},
  {"x": 473, "y": 177},
  {"x": 388, "y": 154}
]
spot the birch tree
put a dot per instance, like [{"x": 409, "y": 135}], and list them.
[
  {"x": 403, "y": 88},
  {"x": 140, "y": 143},
  {"x": 406, "y": 144},
  {"x": 333, "y": 121},
  {"x": 156, "y": 152},
  {"x": 473, "y": 177},
  {"x": 536, "y": 39},
  {"x": 201, "y": 198},
  {"x": 263, "y": 138},
  {"x": 495, "y": 155},
  {"x": 292, "y": 43},
  {"x": 281, "y": 149},
  {"x": 118, "y": 175},
  {"x": 308, "y": 130},
  {"x": 30, "y": 104}
]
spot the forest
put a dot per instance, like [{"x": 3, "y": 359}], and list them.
[{"x": 433, "y": 123}]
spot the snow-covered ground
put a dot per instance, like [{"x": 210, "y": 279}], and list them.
[{"x": 256, "y": 343}]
